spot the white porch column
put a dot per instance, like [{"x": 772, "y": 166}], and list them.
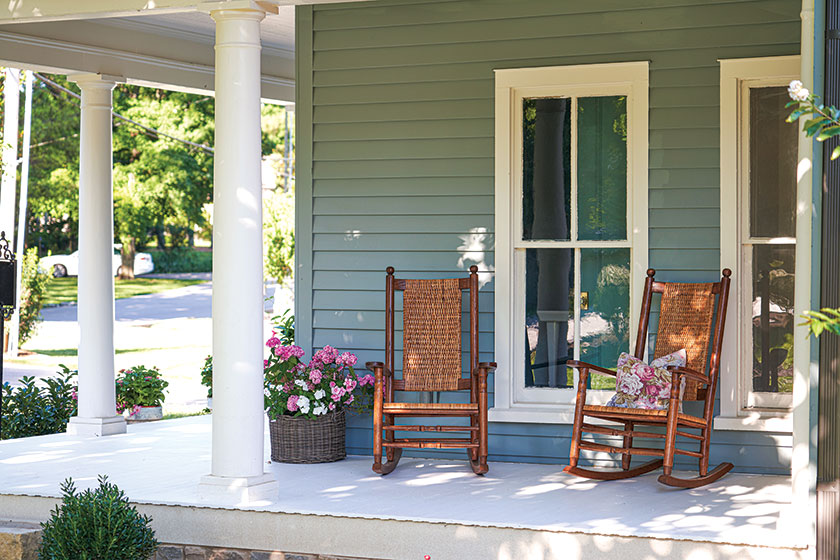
[
  {"x": 238, "y": 442},
  {"x": 97, "y": 411}
]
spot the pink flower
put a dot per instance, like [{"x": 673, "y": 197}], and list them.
[
  {"x": 349, "y": 400},
  {"x": 349, "y": 384},
  {"x": 296, "y": 351},
  {"x": 652, "y": 390},
  {"x": 291, "y": 404},
  {"x": 315, "y": 376},
  {"x": 265, "y": 363},
  {"x": 273, "y": 341},
  {"x": 367, "y": 380},
  {"x": 332, "y": 406},
  {"x": 347, "y": 359}
]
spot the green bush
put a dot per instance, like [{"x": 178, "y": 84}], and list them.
[
  {"x": 33, "y": 289},
  {"x": 279, "y": 235},
  {"x": 182, "y": 259},
  {"x": 96, "y": 524},
  {"x": 207, "y": 375},
  {"x": 35, "y": 410},
  {"x": 139, "y": 386}
]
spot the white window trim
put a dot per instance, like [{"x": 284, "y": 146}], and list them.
[
  {"x": 628, "y": 78},
  {"x": 733, "y": 75}
]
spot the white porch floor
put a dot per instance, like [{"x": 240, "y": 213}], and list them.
[{"x": 161, "y": 463}]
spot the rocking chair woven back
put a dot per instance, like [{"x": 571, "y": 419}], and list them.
[
  {"x": 432, "y": 335},
  {"x": 432, "y": 342},
  {"x": 685, "y": 321}
]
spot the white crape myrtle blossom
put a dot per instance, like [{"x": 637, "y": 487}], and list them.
[
  {"x": 320, "y": 394},
  {"x": 797, "y": 91}
]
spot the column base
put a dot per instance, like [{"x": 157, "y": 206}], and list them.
[
  {"x": 238, "y": 490},
  {"x": 96, "y": 427}
]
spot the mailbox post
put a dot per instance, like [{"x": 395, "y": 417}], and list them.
[{"x": 7, "y": 299}]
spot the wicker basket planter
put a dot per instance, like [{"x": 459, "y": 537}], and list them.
[{"x": 301, "y": 440}]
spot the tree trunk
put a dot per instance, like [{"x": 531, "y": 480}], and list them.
[{"x": 127, "y": 253}]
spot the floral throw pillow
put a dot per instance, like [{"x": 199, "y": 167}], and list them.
[{"x": 639, "y": 385}]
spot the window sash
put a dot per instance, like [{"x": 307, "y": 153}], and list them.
[
  {"x": 751, "y": 400},
  {"x": 542, "y": 395}
]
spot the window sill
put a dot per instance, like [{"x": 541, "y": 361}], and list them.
[
  {"x": 555, "y": 414},
  {"x": 754, "y": 423}
]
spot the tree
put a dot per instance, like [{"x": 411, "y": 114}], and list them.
[{"x": 159, "y": 182}]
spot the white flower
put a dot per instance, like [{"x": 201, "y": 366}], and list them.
[
  {"x": 300, "y": 383},
  {"x": 320, "y": 408},
  {"x": 320, "y": 394},
  {"x": 797, "y": 91},
  {"x": 303, "y": 404}
]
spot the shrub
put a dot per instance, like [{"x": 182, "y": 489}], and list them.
[
  {"x": 33, "y": 410},
  {"x": 207, "y": 375},
  {"x": 140, "y": 386},
  {"x": 96, "y": 524},
  {"x": 33, "y": 288},
  {"x": 182, "y": 259},
  {"x": 279, "y": 235}
]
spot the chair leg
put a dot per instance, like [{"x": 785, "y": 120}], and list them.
[
  {"x": 393, "y": 454},
  {"x": 479, "y": 465},
  {"x": 628, "y": 443},
  {"x": 712, "y": 476},
  {"x": 377, "y": 443}
]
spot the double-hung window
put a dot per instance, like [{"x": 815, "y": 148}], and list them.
[
  {"x": 571, "y": 230},
  {"x": 758, "y": 241}
]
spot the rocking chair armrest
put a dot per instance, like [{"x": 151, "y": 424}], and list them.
[
  {"x": 373, "y": 366},
  {"x": 486, "y": 366},
  {"x": 688, "y": 372},
  {"x": 592, "y": 367}
]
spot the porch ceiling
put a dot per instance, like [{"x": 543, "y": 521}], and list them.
[
  {"x": 158, "y": 49},
  {"x": 160, "y": 463}
]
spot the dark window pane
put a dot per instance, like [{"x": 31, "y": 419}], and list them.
[
  {"x": 773, "y": 147},
  {"x": 546, "y": 168},
  {"x": 602, "y": 168},
  {"x": 605, "y": 320},
  {"x": 773, "y": 318},
  {"x": 549, "y": 316}
]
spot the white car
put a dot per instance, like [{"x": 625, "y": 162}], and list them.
[{"x": 68, "y": 265}]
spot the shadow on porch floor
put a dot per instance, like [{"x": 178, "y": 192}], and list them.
[{"x": 161, "y": 463}]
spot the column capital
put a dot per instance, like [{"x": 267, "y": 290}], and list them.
[
  {"x": 95, "y": 80},
  {"x": 239, "y": 9}
]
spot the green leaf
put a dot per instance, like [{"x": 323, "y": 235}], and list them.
[
  {"x": 835, "y": 153},
  {"x": 829, "y": 132}
]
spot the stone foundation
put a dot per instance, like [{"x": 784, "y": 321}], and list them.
[
  {"x": 191, "y": 552},
  {"x": 19, "y": 541}
]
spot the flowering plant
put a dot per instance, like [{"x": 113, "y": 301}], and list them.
[
  {"x": 139, "y": 386},
  {"x": 327, "y": 383}
]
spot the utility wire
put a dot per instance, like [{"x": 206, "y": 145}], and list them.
[{"x": 148, "y": 129}]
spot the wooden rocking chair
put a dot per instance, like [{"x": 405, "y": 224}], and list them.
[
  {"x": 689, "y": 319},
  {"x": 431, "y": 362}
]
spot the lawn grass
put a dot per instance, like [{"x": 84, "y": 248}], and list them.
[
  {"x": 65, "y": 290},
  {"x": 73, "y": 352}
]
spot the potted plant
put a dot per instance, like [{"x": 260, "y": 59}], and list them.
[
  {"x": 97, "y": 523},
  {"x": 140, "y": 393},
  {"x": 306, "y": 402}
]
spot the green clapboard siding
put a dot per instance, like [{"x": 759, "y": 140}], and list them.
[{"x": 395, "y": 156}]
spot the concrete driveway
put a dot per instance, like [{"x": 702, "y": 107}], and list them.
[{"x": 171, "y": 330}]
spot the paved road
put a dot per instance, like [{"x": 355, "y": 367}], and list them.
[{"x": 171, "y": 330}]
